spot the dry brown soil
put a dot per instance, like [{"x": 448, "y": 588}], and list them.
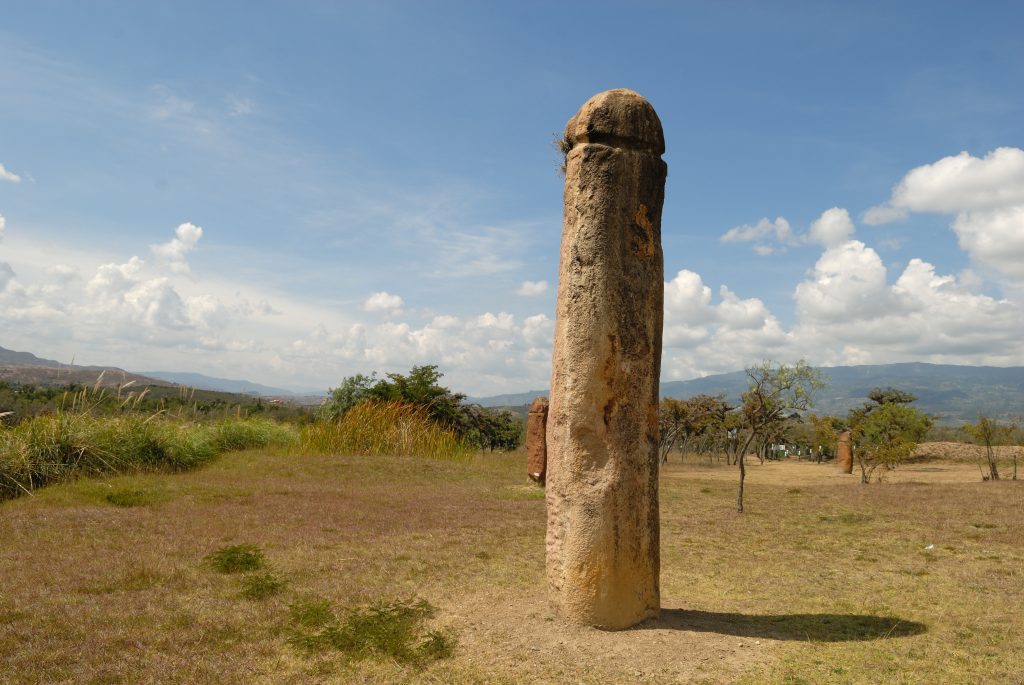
[{"x": 915, "y": 580}]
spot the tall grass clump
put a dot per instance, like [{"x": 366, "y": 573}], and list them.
[
  {"x": 70, "y": 443},
  {"x": 385, "y": 429},
  {"x": 248, "y": 433}
]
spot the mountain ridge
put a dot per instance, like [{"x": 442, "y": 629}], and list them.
[{"x": 950, "y": 392}]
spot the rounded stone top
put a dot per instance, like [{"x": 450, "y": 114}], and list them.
[{"x": 620, "y": 118}]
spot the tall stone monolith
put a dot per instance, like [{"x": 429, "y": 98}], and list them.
[
  {"x": 537, "y": 440},
  {"x": 844, "y": 452},
  {"x": 602, "y": 476}
]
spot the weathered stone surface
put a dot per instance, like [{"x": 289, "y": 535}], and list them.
[
  {"x": 536, "y": 440},
  {"x": 602, "y": 476},
  {"x": 844, "y": 452}
]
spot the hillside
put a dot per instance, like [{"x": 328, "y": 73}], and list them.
[
  {"x": 203, "y": 382},
  {"x": 953, "y": 394},
  {"x": 13, "y": 358}
]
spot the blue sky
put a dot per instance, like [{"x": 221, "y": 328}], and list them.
[{"x": 295, "y": 192}]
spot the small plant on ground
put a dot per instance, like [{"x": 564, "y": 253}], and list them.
[
  {"x": 126, "y": 497},
  {"x": 262, "y": 585},
  {"x": 237, "y": 559},
  {"x": 383, "y": 630}
]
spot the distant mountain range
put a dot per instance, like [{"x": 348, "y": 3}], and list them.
[
  {"x": 203, "y": 382},
  {"x": 953, "y": 394},
  {"x": 25, "y": 367},
  {"x": 12, "y": 358}
]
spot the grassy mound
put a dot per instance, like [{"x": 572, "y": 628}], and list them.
[{"x": 67, "y": 444}]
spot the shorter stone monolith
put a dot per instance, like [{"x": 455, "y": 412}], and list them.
[
  {"x": 844, "y": 452},
  {"x": 537, "y": 440}
]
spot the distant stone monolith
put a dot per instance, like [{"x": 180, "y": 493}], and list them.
[
  {"x": 537, "y": 440},
  {"x": 602, "y": 475},
  {"x": 844, "y": 452}
]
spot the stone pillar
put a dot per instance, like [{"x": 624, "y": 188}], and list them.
[
  {"x": 844, "y": 452},
  {"x": 537, "y": 440},
  {"x": 602, "y": 477}
]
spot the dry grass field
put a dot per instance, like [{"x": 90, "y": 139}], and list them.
[{"x": 919, "y": 579}]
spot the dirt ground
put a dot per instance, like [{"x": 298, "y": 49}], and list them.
[{"x": 823, "y": 580}]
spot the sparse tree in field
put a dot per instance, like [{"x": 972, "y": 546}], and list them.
[
  {"x": 680, "y": 421},
  {"x": 989, "y": 432},
  {"x": 776, "y": 391},
  {"x": 824, "y": 435},
  {"x": 885, "y": 434}
]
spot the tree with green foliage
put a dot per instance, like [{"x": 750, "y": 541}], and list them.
[
  {"x": 989, "y": 432},
  {"x": 776, "y": 391},
  {"x": 352, "y": 391},
  {"x": 886, "y": 431}
]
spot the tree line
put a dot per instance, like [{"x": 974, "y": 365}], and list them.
[{"x": 773, "y": 416}]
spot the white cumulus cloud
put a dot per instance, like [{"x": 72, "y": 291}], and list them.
[
  {"x": 831, "y": 228},
  {"x": 986, "y": 195},
  {"x": 834, "y": 226},
  {"x": 173, "y": 253},
  {"x": 9, "y": 176},
  {"x": 959, "y": 183},
  {"x": 847, "y": 283},
  {"x": 6, "y": 275},
  {"x": 779, "y": 230},
  {"x": 994, "y": 238},
  {"x": 382, "y": 302},
  {"x": 532, "y": 288}
]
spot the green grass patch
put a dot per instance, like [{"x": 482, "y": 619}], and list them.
[
  {"x": 132, "y": 497},
  {"x": 237, "y": 559},
  {"x": 382, "y": 630},
  {"x": 262, "y": 585}
]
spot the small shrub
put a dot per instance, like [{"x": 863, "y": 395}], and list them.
[
  {"x": 311, "y": 613},
  {"x": 383, "y": 630},
  {"x": 237, "y": 559},
  {"x": 262, "y": 585}
]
